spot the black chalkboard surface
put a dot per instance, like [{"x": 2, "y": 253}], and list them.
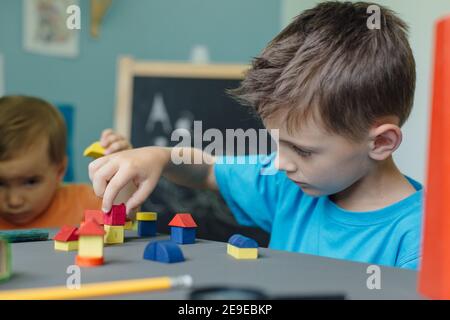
[{"x": 160, "y": 103}]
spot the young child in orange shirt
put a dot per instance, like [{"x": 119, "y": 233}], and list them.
[{"x": 33, "y": 163}]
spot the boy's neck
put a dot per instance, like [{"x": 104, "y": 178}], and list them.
[{"x": 383, "y": 186}]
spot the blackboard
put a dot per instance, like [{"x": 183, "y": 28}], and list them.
[{"x": 154, "y": 99}]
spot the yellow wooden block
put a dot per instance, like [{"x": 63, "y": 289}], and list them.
[
  {"x": 146, "y": 216},
  {"x": 128, "y": 225},
  {"x": 90, "y": 246},
  {"x": 242, "y": 253},
  {"x": 66, "y": 246},
  {"x": 114, "y": 234},
  {"x": 95, "y": 150},
  {"x": 135, "y": 225}
]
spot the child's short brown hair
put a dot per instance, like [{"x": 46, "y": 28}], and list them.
[
  {"x": 328, "y": 61},
  {"x": 23, "y": 120}
]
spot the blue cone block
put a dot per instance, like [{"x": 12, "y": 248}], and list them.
[
  {"x": 146, "y": 228},
  {"x": 182, "y": 235},
  {"x": 163, "y": 251}
]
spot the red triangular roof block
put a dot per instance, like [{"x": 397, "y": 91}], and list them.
[
  {"x": 66, "y": 234},
  {"x": 183, "y": 220},
  {"x": 91, "y": 228},
  {"x": 97, "y": 215},
  {"x": 116, "y": 216}
]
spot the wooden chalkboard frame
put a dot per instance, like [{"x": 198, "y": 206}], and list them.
[{"x": 128, "y": 69}]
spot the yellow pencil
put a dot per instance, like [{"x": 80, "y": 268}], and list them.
[{"x": 99, "y": 289}]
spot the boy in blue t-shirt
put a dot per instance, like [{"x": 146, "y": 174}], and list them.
[{"x": 338, "y": 88}]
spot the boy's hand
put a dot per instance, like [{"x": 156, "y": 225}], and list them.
[
  {"x": 113, "y": 142},
  {"x": 143, "y": 166}
]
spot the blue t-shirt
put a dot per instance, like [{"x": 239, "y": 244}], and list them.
[{"x": 316, "y": 225}]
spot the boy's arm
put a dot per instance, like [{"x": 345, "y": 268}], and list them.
[{"x": 191, "y": 175}]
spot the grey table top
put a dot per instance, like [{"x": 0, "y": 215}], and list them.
[{"x": 37, "y": 264}]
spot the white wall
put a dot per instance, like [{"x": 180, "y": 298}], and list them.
[{"x": 421, "y": 16}]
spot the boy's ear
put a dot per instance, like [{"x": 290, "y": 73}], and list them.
[
  {"x": 62, "y": 168},
  {"x": 384, "y": 140}
]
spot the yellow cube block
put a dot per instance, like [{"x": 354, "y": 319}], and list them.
[
  {"x": 66, "y": 246},
  {"x": 128, "y": 225},
  {"x": 114, "y": 234},
  {"x": 90, "y": 246},
  {"x": 146, "y": 216},
  {"x": 95, "y": 150},
  {"x": 242, "y": 253}
]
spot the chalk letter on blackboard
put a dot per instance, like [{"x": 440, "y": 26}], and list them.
[{"x": 158, "y": 113}]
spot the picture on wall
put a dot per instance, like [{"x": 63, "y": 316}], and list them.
[{"x": 45, "y": 29}]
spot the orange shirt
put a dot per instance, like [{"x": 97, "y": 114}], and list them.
[{"x": 66, "y": 208}]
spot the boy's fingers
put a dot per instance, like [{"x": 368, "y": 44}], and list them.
[
  {"x": 101, "y": 178},
  {"x": 115, "y": 185},
  {"x": 96, "y": 165},
  {"x": 107, "y": 132},
  {"x": 104, "y": 136},
  {"x": 140, "y": 195},
  {"x": 111, "y": 139},
  {"x": 118, "y": 146}
]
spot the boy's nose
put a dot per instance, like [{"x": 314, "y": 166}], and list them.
[{"x": 284, "y": 164}]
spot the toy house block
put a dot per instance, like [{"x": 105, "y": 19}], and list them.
[
  {"x": 116, "y": 216},
  {"x": 146, "y": 224},
  {"x": 66, "y": 239},
  {"x": 95, "y": 150},
  {"x": 5, "y": 260},
  {"x": 183, "y": 229},
  {"x": 241, "y": 247},
  {"x": 90, "y": 244},
  {"x": 163, "y": 251},
  {"x": 114, "y": 234},
  {"x": 97, "y": 215}
]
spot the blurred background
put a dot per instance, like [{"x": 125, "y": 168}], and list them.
[{"x": 80, "y": 76}]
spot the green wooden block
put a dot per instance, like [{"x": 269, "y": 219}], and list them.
[
  {"x": 25, "y": 235},
  {"x": 5, "y": 260}
]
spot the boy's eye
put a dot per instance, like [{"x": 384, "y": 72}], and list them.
[
  {"x": 32, "y": 181},
  {"x": 301, "y": 152}
]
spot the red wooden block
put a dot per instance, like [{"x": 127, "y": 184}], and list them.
[
  {"x": 91, "y": 228},
  {"x": 117, "y": 216},
  {"x": 66, "y": 234},
  {"x": 183, "y": 220},
  {"x": 97, "y": 215},
  {"x": 89, "y": 261}
]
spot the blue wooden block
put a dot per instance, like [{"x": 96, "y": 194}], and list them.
[
  {"x": 163, "y": 251},
  {"x": 182, "y": 235},
  {"x": 146, "y": 228},
  {"x": 240, "y": 241}
]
